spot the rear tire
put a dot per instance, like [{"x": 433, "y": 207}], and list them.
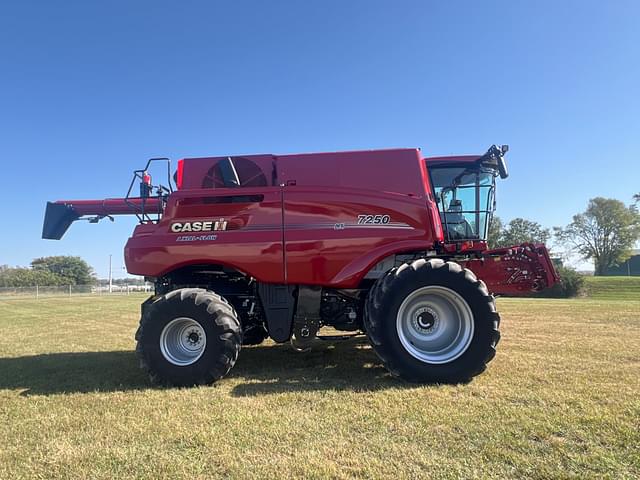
[
  {"x": 432, "y": 321},
  {"x": 188, "y": 336}
]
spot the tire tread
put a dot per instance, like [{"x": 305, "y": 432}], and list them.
[
  {"x": 383, "y": 290},
  {"x": 223, "y": 316}
]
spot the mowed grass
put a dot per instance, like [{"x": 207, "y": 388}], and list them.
[
  {"x": 561, "y": 399},
  {"x": 612, "y": 288}
]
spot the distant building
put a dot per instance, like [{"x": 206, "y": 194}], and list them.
[{"x": 630, "y": 267}]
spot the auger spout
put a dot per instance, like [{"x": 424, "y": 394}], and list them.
[{"x": 61, "y": 214}]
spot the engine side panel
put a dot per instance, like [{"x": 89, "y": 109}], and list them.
[
  {"x": 334, "y": 236},
  {"x": 237, "y": 228}
]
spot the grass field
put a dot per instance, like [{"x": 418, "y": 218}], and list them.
[
  {"x": 612, "y": 288},
  {"x": 561, "y": 399}
]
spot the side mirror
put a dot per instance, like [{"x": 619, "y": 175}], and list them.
[
  {"x": 502, "y": 167},
  {"x": 495, "y": 159}
]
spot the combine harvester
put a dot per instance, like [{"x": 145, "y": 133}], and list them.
[{"x": 382, "y": 242}]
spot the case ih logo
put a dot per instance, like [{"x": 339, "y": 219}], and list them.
[{"x": 206, "y": 226}]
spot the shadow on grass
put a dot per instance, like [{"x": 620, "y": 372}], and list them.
[
  {"x": 77, "y": 372},
  {"x": 348, "y": 365},
  {"x": 265, "y": 369}
]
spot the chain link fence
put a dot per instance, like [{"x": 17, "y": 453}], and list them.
[{"x": 38, "y": 291}]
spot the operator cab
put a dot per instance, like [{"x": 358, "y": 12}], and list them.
[{"x": 464, "y": 189}]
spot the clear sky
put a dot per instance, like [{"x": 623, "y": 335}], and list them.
[{"x": 89, "y": 90}]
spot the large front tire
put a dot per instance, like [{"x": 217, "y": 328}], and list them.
[
  {"x": 188, "y": 336},
  {"x": 432, "y": 321}
]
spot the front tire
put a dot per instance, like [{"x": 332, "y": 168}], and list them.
[
  {"x": 188, "y": 336},
  {"x": 432, "y": 321}
]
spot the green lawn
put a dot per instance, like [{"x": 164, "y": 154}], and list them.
[
  {"x": 561, "y": 399},
  {"x": 613, "y": 288}
]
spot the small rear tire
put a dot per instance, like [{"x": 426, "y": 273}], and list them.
[
  {"x": 187, "y": 337},
  {"x": 432, "y": 321}
]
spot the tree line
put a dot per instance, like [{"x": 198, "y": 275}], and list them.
[
  {"x": 49, "y": 271},
  {"x": 604, "y": 233}
]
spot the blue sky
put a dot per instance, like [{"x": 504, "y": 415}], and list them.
[{"x": 89, "y": 90}]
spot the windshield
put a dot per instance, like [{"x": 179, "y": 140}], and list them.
[{"x": 465, "y": 200}]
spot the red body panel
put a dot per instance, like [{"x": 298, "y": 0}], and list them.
[
  {"x": 316, "y": 219},
  {"x": 325, "y": 245},
  {"x": 302, "y": 231},
  {"x": 253, "y": 242}
]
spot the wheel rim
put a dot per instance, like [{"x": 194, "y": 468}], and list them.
[
  {"x": 182, "y": 341},
  {"x": 435, "y": 324}
]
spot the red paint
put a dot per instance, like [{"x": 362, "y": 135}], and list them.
[
  {"x": 154, "y": 250},
  {"x": 180, "y": 174},
  {"x": 319, "y": 253},
  {"x": 295, "y": 219},
  {"x": 112, "y": 206},
  {"x": 515, "y": 270},
  {"x": 308, "y": 248}
]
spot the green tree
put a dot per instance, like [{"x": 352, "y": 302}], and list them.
[
  {"x": 520, "y": 230},
  {"x": 73, "y": 270},
  {"x": 494, "y": 237},
  {"x": 605, "y": 232},
  {"x": 28, "y": 277},
  {"x": 516, "y": 232}
]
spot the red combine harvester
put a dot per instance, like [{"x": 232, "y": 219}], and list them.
[{"x": 384, "y": 242}]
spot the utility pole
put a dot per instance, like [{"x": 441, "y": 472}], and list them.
[{"x": 110, "y": 275}]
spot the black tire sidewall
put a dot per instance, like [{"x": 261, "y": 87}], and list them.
[
  {"x": 480, "y": 304},
  {"x": 206, "y": 368}
]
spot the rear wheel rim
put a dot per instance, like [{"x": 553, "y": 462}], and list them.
[
  {"x": 435, "y": 324},
  {"x": 182, "y": 341}
]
